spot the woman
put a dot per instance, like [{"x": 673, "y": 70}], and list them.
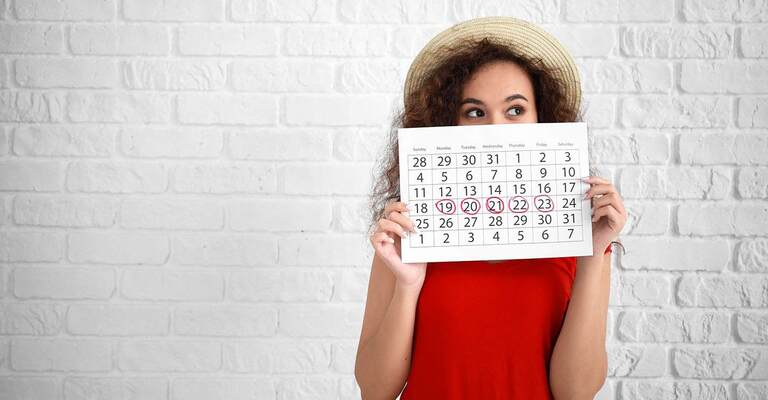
[{"x": 513, "y": 329}]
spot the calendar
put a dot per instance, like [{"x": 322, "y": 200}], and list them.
[{"x": 497, "y": 191}]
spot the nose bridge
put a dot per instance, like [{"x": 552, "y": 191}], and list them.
[{"x": 497, "y": 116}]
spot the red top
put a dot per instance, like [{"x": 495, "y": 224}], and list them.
[{"x": 486, "y": 330}]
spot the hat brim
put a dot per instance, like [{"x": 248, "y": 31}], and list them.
[{"x": 525, "y": 38}]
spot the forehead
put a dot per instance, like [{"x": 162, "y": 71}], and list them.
[{"x": 498, "y": 79}]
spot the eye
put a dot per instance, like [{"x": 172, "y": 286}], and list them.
[
  {"x": 519, "y": 110},
  {"x": 468, "y": 113}
]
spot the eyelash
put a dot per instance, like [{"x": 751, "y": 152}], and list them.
[{"x": 522, "y": 110}]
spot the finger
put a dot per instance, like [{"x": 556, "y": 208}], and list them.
[
  {"x": 601, "y": 188},
  {"x": 395, "y": 205},
  {"x": 611, "y": 198},
  {"x": 595, "y": 179},
  {"x": 609, "y": 212},
  {"x": 392, "y": 226},
  {"x": 403, "y": 219},
  {"x": 378, "y": 239}
]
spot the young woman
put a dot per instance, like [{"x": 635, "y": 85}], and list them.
[{"x": 511, "y": 329}]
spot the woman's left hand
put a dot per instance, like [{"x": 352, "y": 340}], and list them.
[{"x": 608, "y": 213}]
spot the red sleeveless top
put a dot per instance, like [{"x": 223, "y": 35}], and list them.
[{"x": 486, "y": 330}]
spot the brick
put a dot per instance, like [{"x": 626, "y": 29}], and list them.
[
  {"x": 335, "y": 41},
  {"x": 26, "y": 246},
  {"x": 277, "y": 11},
  {"x": 724, "y": 11},
  {"x": 224, "y": 249},
  {"x": 36, "y": 176},
  {"x": 721, "y": 363},
  {"x": 641, "y": 289},
  {"x": 408, "y": 40},
  {"x": 351, "y": 285},
  {"x": 673, "y": 254},
  {"x": 723, "y": 77},
  {"x": 371, "y": 76},
  {"x": 723, "y": 219},
  {"x": 328, "y": 250},
  {"x": 118, "y": 248},
  {"x": 116, "y": 177},
  {"x": 636, "y": 361},
  {"x": 284, "y": 75},
  {"x": 83, "y": 388},
  {"x": 692, "y": 41},
  {"x": 587, "y": 41},
  {"x": 606, "y": 76},
  {"x": 85, "y": 355},
  {"x": 642, "y": 148},
  {"x": 350, "y": 215},
  {"x": 723, "y": 148},
  {"x": 23, "y": 106},
  {"x": 280, "y": 144},
  {"x": 63, "y": 140},
  {"x": 296, "y": 387},
  {"x": 599, "y": 110},
  {"x": 753, "y": 44},
  {"x": 752, "y": 327},
  {"x": 674, "y": 326},
  {"x": 171, "y": 214},
  {"x": 65, "y": 211},
  {"x": 174, "y": 74},
  {"x": 173, "y": 10},
  {"x": 681, "y": 390},
  {"x": 259, "y": 215},
  {"x": 22, "y": 387},
  {"x": 540, "y": 11},
  {"x": 225, "y": 320},
  {"x": 320, "y": 320},
  {"x": 66, "y": 73},
  {"x": 675, "y": 111},
  {"x": 30, "y": 38},
  {"x": 752, "y": 113},
  {"x": 124, "y": 39},
  {"x": 646, "y": 219},
  {"x": 168, "y": 356},
  {"x": 346, "y": 110},
  {"x": 583, "y": 11},
  {"x": 118, "y": 107},
  {"x": 674, "y": 183},
  {"x": 280, "y": 285},
  {"x": 359, "y": 144},
  {"x": 171, "y": 142},
  {"x": 281, "y": 355},
  {"x": 233, "y": 178},
  {"x": 228, "y": 40},
  {"x": 326, "y": 179},
  {"x": 752, "y": 256},
  {"x": 69, "y": 10},
  {"x": 31, "y": 319},
  {"x": 752, "y": 182},
  {"x": 229, "y": 109},
  {"x": 727, "y": 291},
  {"x": 223, "y": 388},
  {"x": 117, "y": 320},
  {"x": 749, "y": 390},
  {"x": 170, "y": 284},
  {"x": 421, "y": 11}
]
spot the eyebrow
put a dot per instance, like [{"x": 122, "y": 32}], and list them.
[{"x": 509, "y": 98}]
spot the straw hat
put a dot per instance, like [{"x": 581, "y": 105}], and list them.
[{"x": 522, "y": 36}]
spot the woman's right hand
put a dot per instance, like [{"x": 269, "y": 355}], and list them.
[{"x": 393, "y": 226}]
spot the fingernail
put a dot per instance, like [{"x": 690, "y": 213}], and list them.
[{"x": 391, "y": 240}]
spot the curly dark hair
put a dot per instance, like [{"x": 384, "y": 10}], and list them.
[{"x": 437, "y": 101}]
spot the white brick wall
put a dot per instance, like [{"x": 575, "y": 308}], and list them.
[{"x": 149, "y": 151}]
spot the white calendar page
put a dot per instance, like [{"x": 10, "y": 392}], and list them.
[{"x": 498, "y": 191}]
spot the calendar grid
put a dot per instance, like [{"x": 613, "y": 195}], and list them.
[{"x": 450, "y": 222}]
